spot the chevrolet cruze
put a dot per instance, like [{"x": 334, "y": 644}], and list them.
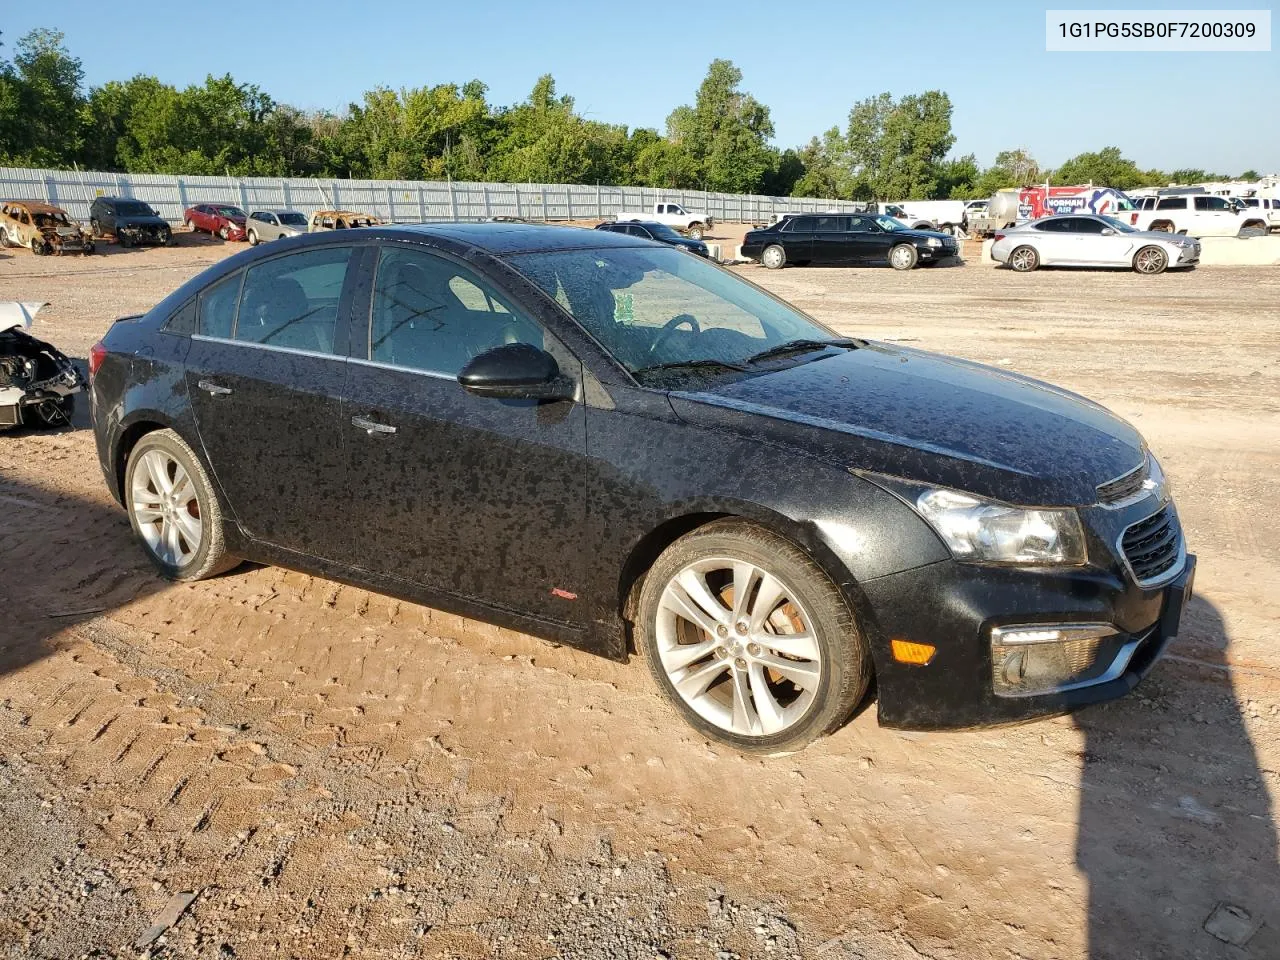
[{"x": 604, "y": 441}]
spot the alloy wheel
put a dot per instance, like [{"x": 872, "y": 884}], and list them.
[
  {"x": 1024, "y": 259},
  {"x": 738, "y": 647},
  {"x": 1150, "y": 261},
  {"x": 167, "y": 510}
]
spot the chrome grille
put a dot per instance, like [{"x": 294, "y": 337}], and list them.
[
  {"x": 1153, "y": 547},
  {"x": 1125, "y": 486}
]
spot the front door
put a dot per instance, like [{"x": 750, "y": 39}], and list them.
[
  {"x": 868, "y": 242},
  {"x": 265, "y": 374},
  {"x": 477, "y": 497}
]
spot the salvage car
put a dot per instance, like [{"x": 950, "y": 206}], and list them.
[
  {"x": 131, "y": 222},
  {"x": 1088, "y": 240},
  {"x": 323, "y": 220},
  {"x": 854, "y": 239},
  {"x": 42, "y": 228},
  {"x": 274, "y": 224},
  {"x": 219, "y": 219},
  {"x": 38, "y": 383},
  {"x": 607, "y": 442}
]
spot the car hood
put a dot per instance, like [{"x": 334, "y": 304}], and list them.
[
  {"x": 921, "y": 234},
  {"x": 141, "y": 221},
  {"x": 930, "y": 418}
]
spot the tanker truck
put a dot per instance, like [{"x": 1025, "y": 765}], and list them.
[{"x": 1020, "y": 204}]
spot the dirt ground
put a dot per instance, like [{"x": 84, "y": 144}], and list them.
[{"x": 335, "y": 773}]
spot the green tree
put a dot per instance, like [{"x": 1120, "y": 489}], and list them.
[
  {"x": 726, "y": 134},
  {"x": 957, "y": 178},
  {"x": 1107, "y": 168},
  {"x": 897, "y": 146},
  {"x": 40, "y": 101},
  {"x": 1250, "y": 175},
  {"x": 1194, "y": 175},
  {"x": 826, "y": 168}
]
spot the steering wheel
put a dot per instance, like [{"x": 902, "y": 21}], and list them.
[{"x": 670, "y": 328}]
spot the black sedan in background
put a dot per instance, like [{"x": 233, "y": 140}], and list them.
[
  {"x": 605, "y": 441},
  {"x": 846, "y": 238},
  {"x": 645, "y": 230}
]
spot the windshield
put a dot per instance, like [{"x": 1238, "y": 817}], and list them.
[
  {"x": 1117, "y": 225},
  {"x": 293, "y": 219},
  {"x": 230, "y": 212},
  {"x": 657, "y": 308},
  {"x": 890, "y": 224},
  {"x": 134, "y": 209},
  {"x": 663, "y": 231}
]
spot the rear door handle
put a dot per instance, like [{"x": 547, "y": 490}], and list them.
[
  {"x": 213, "y": 389},
  {"x": 372, "y": 427}
]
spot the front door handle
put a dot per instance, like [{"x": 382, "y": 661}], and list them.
[
  {"x": 213, "y": 389},
  {"x": 372, "y": 427}
]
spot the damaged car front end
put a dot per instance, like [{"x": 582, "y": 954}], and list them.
[{"x": 38, "y": 382}]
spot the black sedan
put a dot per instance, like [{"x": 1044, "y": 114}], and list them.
[
  {"x": 645, "y": 230},
  {"x": 838, "y": 238},
  {"x": 605, "y": 441}
]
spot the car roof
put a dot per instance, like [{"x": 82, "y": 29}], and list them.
[
  {"x": 34, "y": 206},
  {"x": 503, "y": 239}
]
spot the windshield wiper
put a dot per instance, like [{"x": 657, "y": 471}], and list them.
[
  {"x": 701, "y": 363},
  {"x": 800, "y": 346}
]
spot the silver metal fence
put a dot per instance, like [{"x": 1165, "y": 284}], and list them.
[{"x": 399, "y": 201}]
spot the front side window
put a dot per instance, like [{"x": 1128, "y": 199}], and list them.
[
  {"x": 434, "y": 315},
  {"x": 1212, "y": 203},
  {"x": 651, "y": 306},
  {"x": 1084, "y": 225},
  {"x": 217, "y": 308},
  {"x": 292, "y": 301}
]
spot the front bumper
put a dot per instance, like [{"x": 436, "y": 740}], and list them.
[
  {"x": 954, "y": 607},
  {"x": 145, "y": 234},
  {"x": 944, "y": 252}
]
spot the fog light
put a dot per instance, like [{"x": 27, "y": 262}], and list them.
[{"x": 1033, "y": 659}]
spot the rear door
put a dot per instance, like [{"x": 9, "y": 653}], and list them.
[
  {"x": 473, "y": 496},
  {"x": 1052, "y": 241},
  {"x": 797, "y": 239},
  {"x": 831, "y": 241},
  {"x": 265, "y": 374}
]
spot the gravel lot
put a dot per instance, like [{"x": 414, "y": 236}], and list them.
[{"x": 335, "y": 773}]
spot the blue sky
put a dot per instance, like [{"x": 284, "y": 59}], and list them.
[{"x": 1167, "y": 110}]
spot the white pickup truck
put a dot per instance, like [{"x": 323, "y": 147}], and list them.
[
  {"x": 944, "y": 215},
  {"x": 1195, "y": 214},
  {"x": 692, "y": 223}
]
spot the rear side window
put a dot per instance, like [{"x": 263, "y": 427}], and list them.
[
  {"x": 217, "y": 309},
  {"x": 802, "y": 224},
  {"x": 292, "y": 301},
  {"x": 1172, "y": 203}
]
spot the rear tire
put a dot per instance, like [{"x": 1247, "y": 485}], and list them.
[
  {"x": 1024, "y": 259},
  {"x": 1161, "y": 226},
  {"x": 774, "y": 257},
  {"x": 903, "y": 256},
  {"x": 1253, "y": 229},
  {"x": 803, "y": 626},
  {"x": 1150, "y": 260},
  {"x": 174, "y": 510}
]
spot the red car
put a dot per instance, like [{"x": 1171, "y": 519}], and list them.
[{"x": 222, "y": 219}]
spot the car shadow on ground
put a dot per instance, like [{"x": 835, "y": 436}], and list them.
[{"x": 1170, "y": 777}]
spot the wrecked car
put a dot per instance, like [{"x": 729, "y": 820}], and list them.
[
  {"x": 38, "y": 382},
  {"x": 129, "y": 221},
  {"x": 42, "y": 228},
  {"x": 341, "y": 220}
]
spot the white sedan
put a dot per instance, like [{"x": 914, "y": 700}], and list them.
[{"x": 1090, "y": 240}]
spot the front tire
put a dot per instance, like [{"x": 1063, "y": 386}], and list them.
[
  {"x": 774, "y": 257},
  {"x": 223, "y": 232},
  {"x": 174, "y": 510},
  {"x": 749, "y": 640},
  {"x": 253, "y": 238},
  {"x": 1024, "y": 259},
  {"x": 50, "y": 413},
  {"x": 903, "y": 256},
  {"x": 696, "y": 231},
  {"x": 1150, "y": 261}
]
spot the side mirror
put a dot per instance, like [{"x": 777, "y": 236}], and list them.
[
  {"x": 516, "y": 371},
  {"x": 1108, "y": 232}
]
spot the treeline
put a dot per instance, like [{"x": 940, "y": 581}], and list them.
[{"x": 890, "y": 149}]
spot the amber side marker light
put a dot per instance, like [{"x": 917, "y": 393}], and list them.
[{"x": 907, "y": 651}]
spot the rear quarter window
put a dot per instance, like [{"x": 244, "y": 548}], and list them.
[{"x": 216, "y": 311}]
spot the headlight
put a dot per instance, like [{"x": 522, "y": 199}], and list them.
[
  {"x": 990, "y": 532},
  {"x": 933, "y": 242}
]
